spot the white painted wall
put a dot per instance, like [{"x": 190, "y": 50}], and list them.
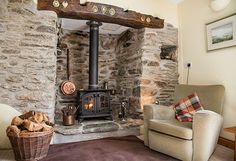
[
  {"x": 165, "y": 9},
  {"x": 215, "y": 67}
]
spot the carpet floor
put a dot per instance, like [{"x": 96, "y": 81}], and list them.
[{"x": 128, "y": 148}]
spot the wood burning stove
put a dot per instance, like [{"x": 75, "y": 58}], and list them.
[{"x": 94, "y": 102}]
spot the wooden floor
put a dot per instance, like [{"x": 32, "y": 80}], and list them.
[{"x": 222, "y": 154}]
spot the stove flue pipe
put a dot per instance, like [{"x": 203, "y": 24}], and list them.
[{"x": 93, "y": 54}]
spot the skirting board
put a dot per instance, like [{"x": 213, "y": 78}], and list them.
[{"x": 226, "y": 142}]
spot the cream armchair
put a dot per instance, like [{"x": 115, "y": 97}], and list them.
[{"x": 187, "y": 141}]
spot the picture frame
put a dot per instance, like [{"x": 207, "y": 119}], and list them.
[{"x": 221, "y": 33}]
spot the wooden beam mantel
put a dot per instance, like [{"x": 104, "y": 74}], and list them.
[{"x": 100, "y": 12}]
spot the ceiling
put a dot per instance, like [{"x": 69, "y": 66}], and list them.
[{"x": 80, "y": 25}]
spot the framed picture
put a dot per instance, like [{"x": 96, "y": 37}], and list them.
[{"x": 221, "y": 33}]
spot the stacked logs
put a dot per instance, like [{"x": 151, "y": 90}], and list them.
[{"x": 29, "y": 122}]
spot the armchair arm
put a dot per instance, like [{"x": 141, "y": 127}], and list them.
[
  {"x": 154, "y": 111},
  {"x": 159, "y": 112},
  {"x": 206, "y": 130}
]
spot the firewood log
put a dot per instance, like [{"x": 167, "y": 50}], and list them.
[
  {"x": 27, "y": 115},
  {"x": 38, "y": 117},
  {"x": 32, "y": 126},
  {"x": 13, "y": 130},
  {"x": 16, "y": 121},
  {"x": 45, "y": 118},
  {"x": 46, "y": 127}
]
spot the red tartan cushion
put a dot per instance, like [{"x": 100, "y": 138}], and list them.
[{"x": 186, "y": 108}]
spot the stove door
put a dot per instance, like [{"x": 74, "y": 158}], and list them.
[
  {"x": 103, "y": 103},
  {"x": 88, "y": 104}
]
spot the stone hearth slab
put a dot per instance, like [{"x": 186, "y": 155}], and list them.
[
  {"x": 100, "y": 127},
  {"x": 69, "y": 130},
  {"x": 97, "y": 126},
  {"x": 96, "y": 129},
  {"x": 87, "y": 127},
  {"x": 59, "y": 138}
]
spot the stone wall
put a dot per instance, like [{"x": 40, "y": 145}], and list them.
[
  {"x": 129, "y": 66},
  {"x": 28, "y": 41},
  {"x": 159, "y": 76},
  {"x": 143, "y": 77}
]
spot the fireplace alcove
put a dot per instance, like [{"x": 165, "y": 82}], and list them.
[
  {"x": 129, "y": 61},
  {"x": 131, "y": 64}
]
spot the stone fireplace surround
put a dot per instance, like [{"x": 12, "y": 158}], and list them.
[
  {"x": 129, "y": 62},
  {"x": 32, "y": 67}
]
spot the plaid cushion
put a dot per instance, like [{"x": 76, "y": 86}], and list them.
[{"x": 186, "y": 108}]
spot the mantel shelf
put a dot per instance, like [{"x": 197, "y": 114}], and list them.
[{"x": 100, "y": 12}]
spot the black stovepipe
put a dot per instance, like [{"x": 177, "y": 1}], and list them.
[{"x": 93, "y": 54}]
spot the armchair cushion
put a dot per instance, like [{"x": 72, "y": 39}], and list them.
[
  {"x": 173, "y": 128},
  {"x": 187, "y": 107},
  {"x": 6, "y": 115}
]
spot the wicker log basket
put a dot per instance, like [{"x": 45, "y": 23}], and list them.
[{"x": 30, "y": 145}]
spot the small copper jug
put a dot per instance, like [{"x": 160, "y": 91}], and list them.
[{"x": 68, "y": 120}]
